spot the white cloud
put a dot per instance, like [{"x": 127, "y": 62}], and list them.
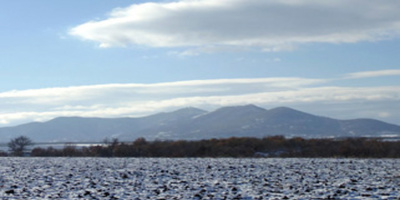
[
  {"x": 369, "y": 74},
  {"x": 121, "y": 100},
  {"x": 279, "y": 48},
  {"x": 267, "y": 25},
  {"x": 206, "y": 50}
]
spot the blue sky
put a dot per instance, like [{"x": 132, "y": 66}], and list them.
[{"x": 134, "y": 58}]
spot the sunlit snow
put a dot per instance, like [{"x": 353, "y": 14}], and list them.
[{"x": 198, "y": 178}]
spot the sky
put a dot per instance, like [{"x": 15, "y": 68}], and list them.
[{"x": 125, "y": 58}]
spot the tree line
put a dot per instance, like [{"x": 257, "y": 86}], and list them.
[{"x": 275, "y": 146}]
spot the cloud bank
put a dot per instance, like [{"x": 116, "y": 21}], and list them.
[
  {"x": 267, "y": 25},
  {"x": 370, "y": 74},
  {"x": 124, "y": 100}
]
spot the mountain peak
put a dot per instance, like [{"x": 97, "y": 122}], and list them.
[
  {"x": 249, "y": 107},
  {"x": 233, "y": 113},
  {"x": 183, "y": 113},
  {"x": 285, "y": 113},
  {"x": 283, "y": 109},
  {"x": 252, "y": 106},
  {"x": 193, "y": 123},
  {"x": 189, "y": 111},
  {"x": 286, "y": 110}
]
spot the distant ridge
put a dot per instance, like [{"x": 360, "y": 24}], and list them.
[{"x": 195, "y": 124}]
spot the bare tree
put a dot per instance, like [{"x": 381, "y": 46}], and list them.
[
  {"x": 110, "y": 146},
  {"x": 18, "y": 145}
]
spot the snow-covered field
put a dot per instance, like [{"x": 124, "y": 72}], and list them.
[{"x": 197, "y": 178}]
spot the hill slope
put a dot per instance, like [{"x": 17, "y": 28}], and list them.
[{"x": 194, "y": 124}]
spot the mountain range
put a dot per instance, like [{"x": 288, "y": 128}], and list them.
[{"x": 195, "y": 124}]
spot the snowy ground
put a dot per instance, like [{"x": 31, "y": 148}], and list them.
[{"x": 155, "y": 178}]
